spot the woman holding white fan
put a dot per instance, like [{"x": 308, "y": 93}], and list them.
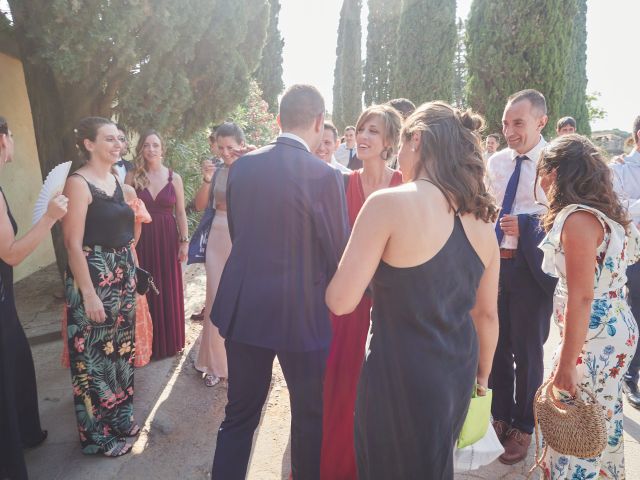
[{"x": 19, "y": 415}]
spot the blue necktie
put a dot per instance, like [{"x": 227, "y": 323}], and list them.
[{"x": 510, "y": 195}]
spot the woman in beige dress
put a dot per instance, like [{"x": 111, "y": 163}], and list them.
[{"x": 212, "y": 357}]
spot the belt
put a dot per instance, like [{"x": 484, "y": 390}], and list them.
[
  {"x": 507, "y": 253},
  {"x": 101, "y": 249}
]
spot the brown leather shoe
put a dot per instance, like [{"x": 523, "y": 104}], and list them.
[
  {"x": 501, "y": 427},
  {"x": 516, "y": 446}
]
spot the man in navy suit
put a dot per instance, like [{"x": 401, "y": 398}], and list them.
[{"x": 288, "y": 223}]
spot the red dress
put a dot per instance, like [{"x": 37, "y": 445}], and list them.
[
  {"x": 158, "y": 254},
  {"x": 343, "y": 367}
]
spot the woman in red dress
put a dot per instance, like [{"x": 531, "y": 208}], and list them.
[{"x": 377, "y": 134}]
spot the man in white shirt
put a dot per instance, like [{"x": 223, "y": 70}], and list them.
[
  {"x": 526, "y": 293},
  {"x": 347, "y": 150},
  {"x": 328, "y": 146},
  {"x": 491, "y": 145},
  {"x": 626, "y": 183},
  {"x": 122, "y": 166}
]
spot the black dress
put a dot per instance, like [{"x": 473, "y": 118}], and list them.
[
  {"x": 19, "y": 416},
  {"x": 420, "y": 365}
]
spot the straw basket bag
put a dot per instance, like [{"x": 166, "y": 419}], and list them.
[{"x": 577, "y": 429}]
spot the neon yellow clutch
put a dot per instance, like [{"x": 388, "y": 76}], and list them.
[{"x": 477, "y": 421}]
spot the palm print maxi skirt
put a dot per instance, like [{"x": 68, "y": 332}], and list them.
[{"x": 102, "y": 355}]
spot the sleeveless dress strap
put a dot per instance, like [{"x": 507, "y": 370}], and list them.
[
  {"x": 170, "y": 175},
  {"x": 89, "y": 185}
]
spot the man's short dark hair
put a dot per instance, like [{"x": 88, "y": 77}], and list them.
[
  {"x": 495, "y": 136},
  {"x": 536, "y": 99},
  {"x": 403, "y": 106},
  {"x": 349, "y": 128},
  {"x": 332, "y": 127},
  {"x": 566, "y": 121},
  {"x": 300, "y": 106},
  {"x": 121, "y": 128}
]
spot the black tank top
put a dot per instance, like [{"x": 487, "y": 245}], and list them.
[{"x": 109, "y": 221}]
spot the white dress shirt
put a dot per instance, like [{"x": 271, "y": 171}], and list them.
[
  {"x": 121, "y": 170},
  {"x": 338, "y": 166},
  {"x": 343, "y": 152},
  {"x": 295, "y": 137},
  {"x": 626, "y": 183},
  {"x": 499, "y": 169}
]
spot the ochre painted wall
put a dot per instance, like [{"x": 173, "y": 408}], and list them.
[{"x": 21, "y": 180}]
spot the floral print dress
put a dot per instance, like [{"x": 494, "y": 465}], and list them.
[
  {"x": 102, "y": 354},
  {"x": 610, "y": 344}
]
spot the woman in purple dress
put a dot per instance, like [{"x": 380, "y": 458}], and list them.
[{"x": 163, "y": 243}]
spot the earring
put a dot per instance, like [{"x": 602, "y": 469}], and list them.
[{"x": 413, "y": 149}]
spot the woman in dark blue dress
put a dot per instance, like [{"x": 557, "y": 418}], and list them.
[
  {"x": 429, "y": 250},
  {"x": 19, "y": 416}
]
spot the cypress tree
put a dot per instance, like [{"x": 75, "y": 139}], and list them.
[
  {"x": 382, "y": 30},
  {"x": 575, "y": 95},
  {"x": 425, "y": 50},
  {"x": 347, "y": 83},
  {"x": 460, "y": 68},
  {"x": 517, "y": 44},
  {"x": 268, "y": 75}
]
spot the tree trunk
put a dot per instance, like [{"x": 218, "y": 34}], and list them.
[{"x": 53, "y": 132}]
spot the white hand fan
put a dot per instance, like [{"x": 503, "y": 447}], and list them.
[{"x": 53, "y": 184}]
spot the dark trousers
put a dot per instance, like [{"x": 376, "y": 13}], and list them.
[
  {"x": 249, "y": 380},
  {"x": 633, "y": 284},
  {"x": 524, "y": 312}
]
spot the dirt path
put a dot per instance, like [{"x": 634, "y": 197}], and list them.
[{"x": 180, "y": 416}]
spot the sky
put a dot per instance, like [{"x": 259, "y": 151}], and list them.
[{"x": 309, "y": 29}]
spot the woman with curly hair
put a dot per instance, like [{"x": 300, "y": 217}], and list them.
[
  {"x": 588, "y": 231},
  {"x": 429, "y": 251}
]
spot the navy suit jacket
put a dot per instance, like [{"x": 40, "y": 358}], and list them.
[
  {"x": 288, "y": 224},
  {"x": 531, "y": 234}
]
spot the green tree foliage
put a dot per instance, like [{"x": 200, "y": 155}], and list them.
[
  {"x": 594, "y": 111},
  {"x": 425, "y": 50},
  {"x": 347, "y": 77},
  {"x": 575, "y": 94},
  {"x": 269, "y": 71},
  {"x": 254, "y": 117},
  {"x": 172, "y": 65},
  {"x": 382, "y": 32},
  {"x": 513, "y": 45},
  {"x": 186, "y": 154},
  {"x": 460, "y": 67}
]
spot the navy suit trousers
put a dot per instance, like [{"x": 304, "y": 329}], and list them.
[
  {"x": 633, "y": 284},
  {"x": 249, "y": 380},
  {"x": 524, "y": 312}
]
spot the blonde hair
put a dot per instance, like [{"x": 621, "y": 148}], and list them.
[{"x": 140, "y": 178}]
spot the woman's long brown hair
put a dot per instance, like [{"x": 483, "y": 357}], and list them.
[
  {"x": 451, "y": 156},
  {"x": 582, "y": 177},
  {"x": 140, "y": 179}
]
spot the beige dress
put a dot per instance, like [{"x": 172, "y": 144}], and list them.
[{"x": 212, "y": 357}]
